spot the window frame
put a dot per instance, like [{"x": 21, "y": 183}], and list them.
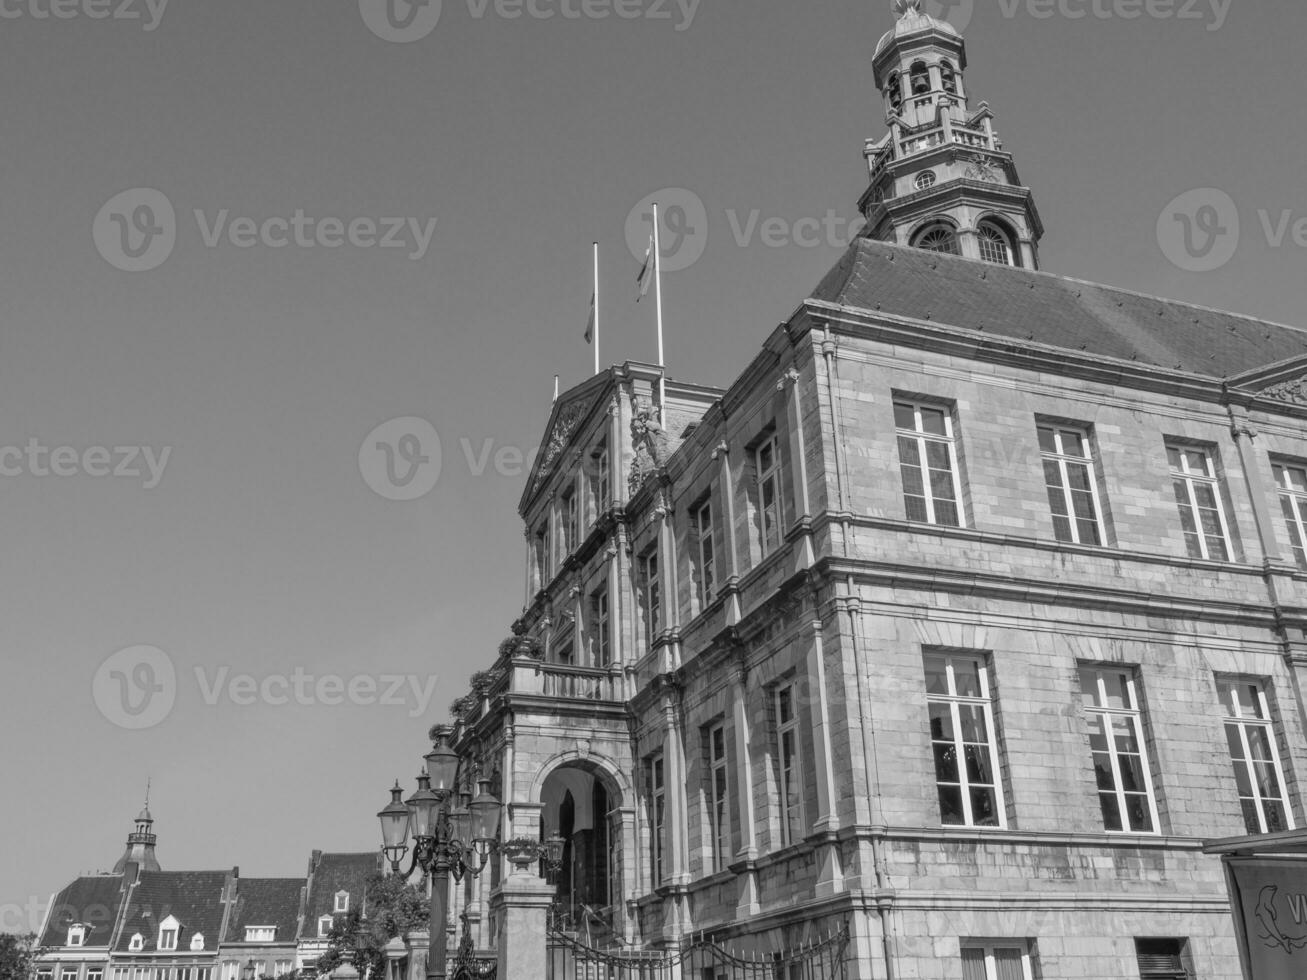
[
  {"x": 601, "y": 636},
  {"x": 719, "y": 796},
  {"x": 921, "y": 438},
  {"x": 76, "y": 937},
  {"x": 1293, "y": 505},
  {"x": 329, "y": 922},
  {"x": 1190, "y": 480},
  {"x": 651, "y": 599},
  {"x": 657, "y": 818},
  {"x": 1064, "y": 461},
  {"x": 1135, "y": 715},
  {"x": 789, "y": 767},
  {"x": 989, "y": 949},
  {"x": 570, "y": 513},
  {"x": 136, "y": 943},
  {"x": 955, "y": 703},
  {"x": 1234, "y": 718},
  {"x": 602, "y": 482},
  {"x": 705, "y": 551},
  {"x": 994, "y": 230},
  {"x": 764, "y": 477}
]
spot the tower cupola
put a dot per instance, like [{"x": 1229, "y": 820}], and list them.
[
  {"x": 940, "y": 178},
  {"x": 140, "y": 845}
]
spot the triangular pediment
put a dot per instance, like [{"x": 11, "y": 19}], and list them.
[
  {"x": 1285, "y": 381},
  {"x": 568, "y": 415}
]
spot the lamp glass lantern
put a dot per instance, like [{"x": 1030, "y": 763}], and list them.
[
  {"x": 424, "y": 805},
  {"x": 395, "y": 819}
]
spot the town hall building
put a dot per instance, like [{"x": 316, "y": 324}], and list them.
[{"x": 958, "y": 620}]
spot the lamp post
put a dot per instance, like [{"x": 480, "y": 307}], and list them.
[{"x": 448, "y": 837}]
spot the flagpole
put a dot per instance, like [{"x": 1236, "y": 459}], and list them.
[
  {"x": 596, "y": 307},
  {"x": 658, "y": 297}
]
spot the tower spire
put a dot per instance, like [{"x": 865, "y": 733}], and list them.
[{"x": 940, "y": 178}]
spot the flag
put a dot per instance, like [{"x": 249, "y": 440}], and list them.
[
  {"x": 590, "y": 324},
  {"x": 646, "y": 271}
]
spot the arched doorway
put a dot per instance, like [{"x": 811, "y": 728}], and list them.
[{"x": 582, "y": 805}]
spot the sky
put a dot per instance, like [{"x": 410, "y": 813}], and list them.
[{"x": 218, "y": 585}]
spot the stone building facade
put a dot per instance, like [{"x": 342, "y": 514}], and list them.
[{"x": 961, "y": 618}]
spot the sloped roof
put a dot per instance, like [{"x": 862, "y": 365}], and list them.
[
  {"x": 266, "y": 902},
  {"x": 1047, "y": 309},
  {"x": 333, "y": 873},
  {"x": 93, "y": 900},
  {"x": 194, "y": 897}
]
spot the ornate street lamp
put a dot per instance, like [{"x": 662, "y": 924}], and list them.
[{"x": 451, "y": 836}]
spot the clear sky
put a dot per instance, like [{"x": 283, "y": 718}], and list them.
[{"x": 262, "y": 551}]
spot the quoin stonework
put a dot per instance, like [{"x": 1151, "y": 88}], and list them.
[{"x": 958, "y": 620}]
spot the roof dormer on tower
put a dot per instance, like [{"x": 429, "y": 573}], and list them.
[{"x": 940, "y": 179}]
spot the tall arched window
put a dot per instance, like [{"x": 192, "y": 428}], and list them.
[
  {"x": 895, "y": 87},
  {"x": 938, "y": 237},
  {"x": 995, "y": 244},
  {"x": 948, "y": 77},
  {"x": 920, "y": 79}
]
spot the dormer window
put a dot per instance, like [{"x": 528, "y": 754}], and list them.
[
  {"x": 260, "y": 934},
  {"x": 76, "y": 934},
  {"x": 920, "y": 79},
  {"x": 197, "y": 942},
  {"x": 324, "y": 926},
  {"x": 169, "y": 929},
  {"x": 938, "y": 237},
  {"x": 137, "y": 944},
  {"x": 342, "y": 901},
  {"x": 995, "y": 244}
]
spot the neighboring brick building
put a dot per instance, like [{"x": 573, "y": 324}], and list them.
[
  {"x": 961, "y": 617},
  {"x": 143, "y": 923}
]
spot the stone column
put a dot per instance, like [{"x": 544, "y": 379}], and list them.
[
  {"x": 747, "y": 902},
  {"x": 521, "y": 906},
  {"x": 830, "y": 871},
  {"x": 419, "y": 949}
]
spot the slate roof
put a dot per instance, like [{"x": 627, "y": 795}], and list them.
[
  {"x": 332, "y": 873},
  {"x": 266, "y": 902},
  {"x": 1043, "y": 308},
  {"x": 194, "y": 897},
  {"x": 94, "y": 900}
]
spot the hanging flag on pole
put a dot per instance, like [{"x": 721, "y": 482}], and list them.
[
  {"x": 656, "y": 249},
  {"x": 647, "y": 270},
  {"x": 592, "y": 325}
]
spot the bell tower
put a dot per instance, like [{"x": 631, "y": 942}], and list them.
[
  {"x": 140, "y": 844},
  {"x": 940, "y": 178}
]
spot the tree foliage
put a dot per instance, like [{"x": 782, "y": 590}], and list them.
[
  {"x": 17, "y": 952},
  {"x": 392, "y": 908}
]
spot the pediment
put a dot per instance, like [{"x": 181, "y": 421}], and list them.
[
  {"x": 1293, "y": 391},
  {"x": 568, "y": 415}
]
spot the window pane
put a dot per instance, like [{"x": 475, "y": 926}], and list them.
[
  {"x": 1111, "y": 811},
  {"x": 932, "y": 421},
  {"x": 973, "y": 964},
  {"x": 1047, "y": 441},
  {"x": 946, "y": 762},
  {"x": 966, "y": 675},
  {"x": 905, "y": 417},
  {"x": 1010, "y": 964},
  {"x": 936, "y": 674},
  {"x": 984, "y": 808},
  {"x": 941, "y": 723},
  {"x": 950, "y": 805}
]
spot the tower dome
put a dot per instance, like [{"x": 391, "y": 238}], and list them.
[
  {"x": 941, "y": 179},
  {"x": 913, "y": 20}
]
